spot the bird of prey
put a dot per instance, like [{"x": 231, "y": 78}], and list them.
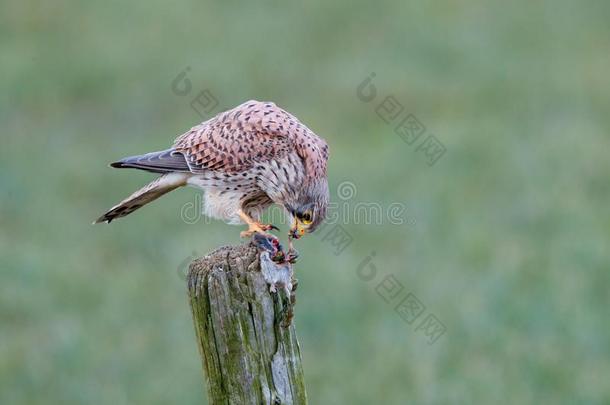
[{"x": 245, "y": 159}]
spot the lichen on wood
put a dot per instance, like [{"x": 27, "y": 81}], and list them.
[{"x": 249, "y": 349}]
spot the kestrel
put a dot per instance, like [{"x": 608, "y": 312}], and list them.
[{"x": 245, "y": 159}]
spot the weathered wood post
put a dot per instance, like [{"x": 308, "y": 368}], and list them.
[{"x": 249, "y": 352}]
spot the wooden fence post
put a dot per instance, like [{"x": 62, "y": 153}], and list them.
[{"x": 249, "y": 352}]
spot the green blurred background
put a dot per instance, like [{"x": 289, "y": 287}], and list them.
[{"x": 507, "y": 236}]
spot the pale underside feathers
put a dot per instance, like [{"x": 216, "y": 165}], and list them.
[{"x": 246, "y": 140}]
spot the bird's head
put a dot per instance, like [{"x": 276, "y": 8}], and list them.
[{"x": 308, "y": 209}]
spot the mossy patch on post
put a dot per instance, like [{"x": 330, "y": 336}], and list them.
[{"x": 249, "y": 353}]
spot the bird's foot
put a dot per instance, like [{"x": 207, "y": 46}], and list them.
[
  {"x": 268, "y": 227},
  {"x": 254, "y": 226},
  {"x": 257, "y": 227}
]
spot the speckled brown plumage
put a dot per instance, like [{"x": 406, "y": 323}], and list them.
[
  {"x": 255, "y": 131},
  {"x": 245, "y": 159}
]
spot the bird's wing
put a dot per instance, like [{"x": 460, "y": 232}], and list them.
[
  {"x": 252, "y": 132},
  {"x": 236, "y": 139},
  {"x": 314, "y": 152},
  {"x": 164, "y": 161}
]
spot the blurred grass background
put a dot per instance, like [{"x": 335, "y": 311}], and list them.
[{"x": 509, "y": 248}]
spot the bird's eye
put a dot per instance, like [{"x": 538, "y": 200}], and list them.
[{"x": 306, "y": 217}]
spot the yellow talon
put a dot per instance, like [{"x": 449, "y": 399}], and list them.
[{"x": 253, "y": 226}]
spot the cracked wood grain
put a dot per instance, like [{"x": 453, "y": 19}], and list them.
[{"x": 249, "y": 356}]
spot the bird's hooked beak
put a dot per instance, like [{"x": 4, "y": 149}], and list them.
[{"x": 297, "y": 230}]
